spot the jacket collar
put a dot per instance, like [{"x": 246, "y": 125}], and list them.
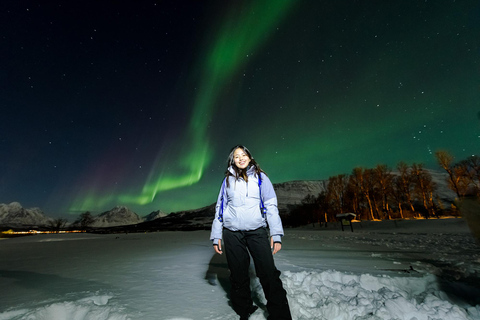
[{"x": 250, "y": 170}]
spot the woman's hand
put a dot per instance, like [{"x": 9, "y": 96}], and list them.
[
  {"x": 218, "y": 248},
  {"x": 277, "y": 246}
]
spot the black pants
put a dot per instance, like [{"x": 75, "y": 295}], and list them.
[{"x": 238, "y": 245}]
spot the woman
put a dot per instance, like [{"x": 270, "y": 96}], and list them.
[{"x": 245, "y": 203}]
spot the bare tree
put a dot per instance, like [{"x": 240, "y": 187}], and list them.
[
  {"x": 322, "y": 208},
  {"x": 424, "y": 187},
  {"x": 383, "y": 180},
  {"x": 58, "y": 224},
  {"x": 336, "y": 192},
  {"x": 398, "y": 194},
  {"x": 354, "y": 195},
  {"x": 406, "y": 183},
  {"x": 471, "y": 169},
  {"x": 362, "y": 179},
  {"x": 85, "y": 220},
  {"x": 323, "y": 204},
  {"x": 455, "y": 173}
]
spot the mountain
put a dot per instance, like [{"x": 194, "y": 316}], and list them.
[
  {"x": 154, "y": 215},
  {"x": 183, "y": 220},
  {"x": 117, "y": 216},
  {"x": 293, "y": 192},
  {"x": 14, "y": 215}
]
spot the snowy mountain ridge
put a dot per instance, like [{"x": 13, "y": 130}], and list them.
[
  {"x": 154, "y": 215},
  {"x": 118, "y": 216},
  {"x": 13, "y": 214}
]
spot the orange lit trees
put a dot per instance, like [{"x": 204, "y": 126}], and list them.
[{"x": 362, "y": 179}]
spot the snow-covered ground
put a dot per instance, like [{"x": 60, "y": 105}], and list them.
[{"x": 421, "y": 270}]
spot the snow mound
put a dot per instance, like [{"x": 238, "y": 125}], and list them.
[
  {"x": 93, "y": 307},
  {"x": 339, "y": 296}
]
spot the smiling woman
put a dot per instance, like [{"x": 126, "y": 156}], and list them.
[{"x": 242, "y": 225}]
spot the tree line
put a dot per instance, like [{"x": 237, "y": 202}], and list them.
[
  {"x": 379, "y": 193},
  {"x": 83, "y": 222}
]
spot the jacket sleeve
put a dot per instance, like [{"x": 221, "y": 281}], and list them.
[
  {"x": 217, "y": 225},
  {"x": 270, "y": 202}
]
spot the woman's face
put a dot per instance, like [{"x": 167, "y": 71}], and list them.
[{"x": 241, "y": 158}]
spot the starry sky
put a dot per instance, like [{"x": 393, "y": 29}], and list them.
[{"x": 137, "y": 103}]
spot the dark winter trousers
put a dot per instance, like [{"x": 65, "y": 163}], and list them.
[{"x": 238, "y": 244}]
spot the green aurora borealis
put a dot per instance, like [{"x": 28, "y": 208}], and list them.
[
  {"x": 313, "y": 90},
  {"x": 222, "y": 61}
]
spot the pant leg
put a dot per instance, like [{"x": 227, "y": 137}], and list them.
[
  {"x": 238, "y": 260},
  {"x": 259, "y": 246}
]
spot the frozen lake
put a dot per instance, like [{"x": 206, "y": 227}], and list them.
[{"x": 383, "y": 270}]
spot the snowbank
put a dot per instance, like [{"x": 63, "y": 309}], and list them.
[
  {"x": 335, "y": 295},
  {"x": 92, "y": 307}
]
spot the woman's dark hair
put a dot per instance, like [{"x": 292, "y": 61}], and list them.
[{"x": 241, "y": 172}]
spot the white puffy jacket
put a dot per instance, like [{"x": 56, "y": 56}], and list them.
[{"x": 241, "y": 207}]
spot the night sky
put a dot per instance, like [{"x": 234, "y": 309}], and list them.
[{"x": 138, "y": 103}]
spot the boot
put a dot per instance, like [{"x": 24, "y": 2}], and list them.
[{"x": 252, "y": 309}]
